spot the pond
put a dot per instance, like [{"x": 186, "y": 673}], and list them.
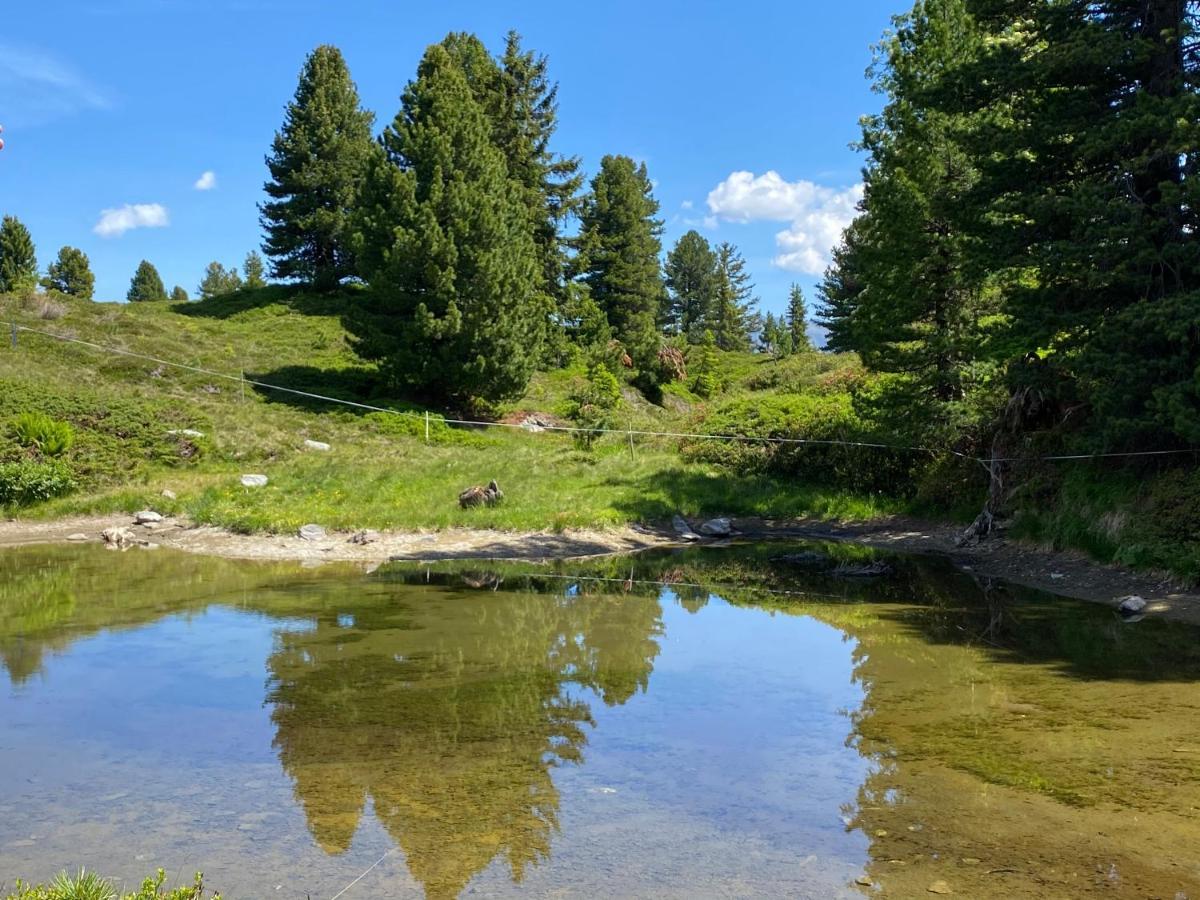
[{"x": 686, "y": 724}]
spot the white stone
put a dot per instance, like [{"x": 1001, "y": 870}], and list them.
[
  {"x": 169, "y": 494},
  {"x": 147, "y": 517},
  {"x": 721, "y": 527},
  {"x": 254, "y": 480},
  {"x": 77, "y": 536},
  {"x": 317, "y": 445},
  {"x": 312, "y": 532},
  {"x": 187, "y": 432}
]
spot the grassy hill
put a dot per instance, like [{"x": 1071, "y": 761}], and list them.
[{"x": 128, "y": 414}]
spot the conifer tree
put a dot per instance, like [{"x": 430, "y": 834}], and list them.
[
  {"x": 218, "y": 281},
  {"x": 179, "y": 295},
  {"x": 691, "y": 272},
  {"x": 254, "y": 271},
  {"x": 797, "y": 320},
  {"x": 70, "y": 274},
  {"x": 18, "y": 260},
  {"x": 456, "y": 308},
  {"x": 619, "y": 254},
  {"x": 317, "y": 163},
  {"x": 842, "y": 288},
  {"x": 732, "y": 317},
  {"x": 146, "y": 285}
]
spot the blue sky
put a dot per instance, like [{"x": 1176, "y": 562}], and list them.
[{"x": 743, "y": 113}]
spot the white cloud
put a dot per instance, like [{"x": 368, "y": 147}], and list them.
[
  {"x": 37, "y": 88},
  {"x": 115, "y": 222},
  {"x": 206, "y": 182},
  {"x": 818, "y": 214},
  {"x": 687, "y": 204}
]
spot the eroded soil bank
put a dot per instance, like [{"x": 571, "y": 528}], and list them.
[{"x": 1059, "y": 572}]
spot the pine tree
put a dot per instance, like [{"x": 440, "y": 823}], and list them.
[
  {"x": 179, "y": 295},
  {"x": 456, "y": 308},
  {"x": 842, "y": 288},
  {"x": 317, "y": 165},
  {"x": 146, "y": 285},
  {"x": 797, "y": 320},
  {"x": 1089, "y": 184},
  {"x": 732, "y": 317},
  {"x": 619, "y": 255},
  {"x": 692, "y": 282},
  {"x": 552, "y": 181},
  {"x": 70, "y": 274},
  {"x": 18, "y": 260},
  {"x": 254, "y": 271},
  {"x": 218, "y": 281}
]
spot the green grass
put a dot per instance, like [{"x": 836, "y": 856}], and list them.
[
  {"x": 381, "y": 472},
  {"x": 90, "y": 886}
]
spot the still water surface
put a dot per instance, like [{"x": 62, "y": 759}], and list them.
[{"x": 531, "y": 731}]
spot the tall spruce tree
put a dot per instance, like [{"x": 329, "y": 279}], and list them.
[
  {"x": 619, "y": 247},
  {"x": 842, "y": 288},
  {"x": 146, "y": 285},
  {"x": 797, "y": 319},
  {"x": 18, "y": 259},
  {"x": 691, "y": 272},
  {"x": 733, "y": 318},
  {"x": 70, "y": 274},
  {"x": 317, "y": 163},
  {"x": 179, "y": 295},
  {"x": 456, "y": 308},
  {"x": 1089, "y": 181}
]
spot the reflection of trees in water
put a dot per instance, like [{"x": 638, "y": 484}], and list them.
[{"x": 449, "y": 712}]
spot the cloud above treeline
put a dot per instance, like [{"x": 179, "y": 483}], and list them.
[
  {"x": 115, "y": 222},
  {"x": 817, "y": 214},
  {"x": 206, "y": 182}
]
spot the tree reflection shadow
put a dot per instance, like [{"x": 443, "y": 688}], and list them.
[{"x": 449, "y": 712}]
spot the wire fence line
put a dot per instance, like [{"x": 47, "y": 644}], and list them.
[{"x": 567, "y": 429}]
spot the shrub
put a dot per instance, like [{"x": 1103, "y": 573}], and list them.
[
  {"x": 27, "y": 481},
  {"x": 50, "y": 437},
  {"x": 592, "y": 405},
  {"x": 803, "y": 417}
]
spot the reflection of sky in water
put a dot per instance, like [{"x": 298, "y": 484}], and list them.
[{"x": 152, "y": 745}]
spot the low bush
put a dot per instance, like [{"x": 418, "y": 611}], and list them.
[
  {"x": 802, "y": 418},
  {"x": 28, "y": 481},
  {"x": 50, "y": 437}
]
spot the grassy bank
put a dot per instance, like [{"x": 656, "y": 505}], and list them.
[{"x": 129, "y": 416}]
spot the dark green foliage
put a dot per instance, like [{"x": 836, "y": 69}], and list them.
[
  {"x": 179, "y": 295},
  {"x": 702, "y": 361},
  {"x": 70, "y": 274},
  {"x": 776, "y": 337},
  {"x": 691, "y": 272},
  {"x": 317, "y": 164},
  {"x": 219, "y": 281},
  {"x": 797, "y": 320},
  {"x": 29, "y": 481},
  {"x": 456, "y": 309},
  {"x": 254, "y": 271},
  {"x": 619, "y": 251},
  {"x": 50, "y": 437},
  {"x": 842, "y": 288},
  {"x": 732, "y": 316},
  {"x": 18, "y": 260},
  {"x": 146, "y": 285}
]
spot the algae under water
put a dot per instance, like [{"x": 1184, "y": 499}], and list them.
[{"x": 691, "y": 724}]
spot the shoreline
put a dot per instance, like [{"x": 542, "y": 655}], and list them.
[{"x": 1065, "y": 573}]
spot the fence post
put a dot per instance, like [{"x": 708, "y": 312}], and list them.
[
  {"x": 427, "y": 426},
  {"x": 243, "y": 381},
  {"x": 631, "y": 453},
  {"x": 14, "y": 334}
]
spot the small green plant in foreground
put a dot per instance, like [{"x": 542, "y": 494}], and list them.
[
  {"x": 90, "y": 886},
  {"x": 50, "y": 437}
]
